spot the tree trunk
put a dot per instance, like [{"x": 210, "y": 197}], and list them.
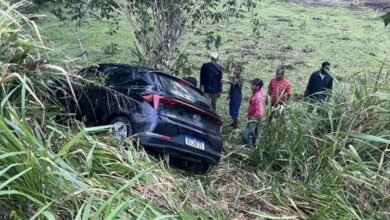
[{"x": 170, "y": 26}]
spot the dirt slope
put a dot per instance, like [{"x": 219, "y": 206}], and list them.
[{"x": 380, "y": 5}]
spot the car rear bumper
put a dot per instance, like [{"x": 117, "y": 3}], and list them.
[{"x": 176, "y": 147}]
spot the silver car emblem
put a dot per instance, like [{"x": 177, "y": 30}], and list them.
[{"x": 196, "y": 117}]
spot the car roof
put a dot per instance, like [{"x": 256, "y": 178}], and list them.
[
  {"x": 139, "y": 69},
  {"x": 119, "y": 65}
]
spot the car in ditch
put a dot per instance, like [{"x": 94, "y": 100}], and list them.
[{"x": 166, "y": 114}]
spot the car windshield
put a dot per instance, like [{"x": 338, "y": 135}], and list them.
[{"x": 176, "y": 88}]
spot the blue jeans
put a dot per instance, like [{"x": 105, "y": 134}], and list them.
[
  {"x": 234, "y": 108},
  {"x": 250, "y": 134}
]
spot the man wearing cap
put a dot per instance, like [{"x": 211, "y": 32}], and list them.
[
  {"x": 279, "y": 89},
  {"x": 210, "y": 80},
  {"x": 320, "y": 85}
]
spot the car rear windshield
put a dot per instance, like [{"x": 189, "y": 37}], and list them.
[{"x": 177, "y": 88}]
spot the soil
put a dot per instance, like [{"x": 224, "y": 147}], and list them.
[{"x": 379, "y": 5}]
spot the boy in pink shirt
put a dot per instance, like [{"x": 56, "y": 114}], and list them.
[{"x": 255, "y": 111}]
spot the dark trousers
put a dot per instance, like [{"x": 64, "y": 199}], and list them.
[
  {"x": 234, "y": 108},
  {"x": 212, "y": 98}
]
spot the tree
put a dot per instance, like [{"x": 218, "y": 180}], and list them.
[
  {"x": 156, "y": 25},
  {"x": 386, "y": 18}
]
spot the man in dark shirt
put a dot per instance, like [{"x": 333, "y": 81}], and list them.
[
  {"x": 210, "y": 80},
  {"x": 320, "y": 84},
  {"x": 235, "y": 95}
]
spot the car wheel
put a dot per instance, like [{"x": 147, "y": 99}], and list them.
[{"x": 121, "y": 129}]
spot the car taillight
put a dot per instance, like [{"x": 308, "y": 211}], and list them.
[
  {"x": 153, "y": 100},
  {"x": 168, "y": 101},
  {"x": 162, "y": 137}
]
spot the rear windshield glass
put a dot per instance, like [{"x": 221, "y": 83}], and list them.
[{"x": 176, "y": 88}]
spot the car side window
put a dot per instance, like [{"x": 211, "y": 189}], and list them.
[
  {"x": 141, "y": 78},
  {"x": 110, "y": 75},
  {"x": 118, "y": 75},
  {"x": 93, "y": 74},
  {"x": 139, "y": 82}
]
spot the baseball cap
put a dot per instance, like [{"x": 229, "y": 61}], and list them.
[{"x": 214, "y": 55}]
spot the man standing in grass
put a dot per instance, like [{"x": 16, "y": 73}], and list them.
[
  {"x": 320, "y": 85},
  {"x": 211, "y": 80},
  {"x": 235, "y": 95},
  {"x": 255, "y": 112},
  {"x": 279, "y": 89}
]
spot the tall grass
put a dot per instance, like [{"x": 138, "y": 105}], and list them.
[
  {"x": 335, "y": 162},
  {"x": 47, "y": 170},
  {"x": 52, "y": 171},
  {"x": 327, "y": 165}
]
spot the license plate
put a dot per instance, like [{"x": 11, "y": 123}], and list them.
[{"x": 194, "y": 143}]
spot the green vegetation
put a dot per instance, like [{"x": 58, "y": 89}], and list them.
[
  {"x": 333, "y": 164},
  {"x": 296, "y": 36}
]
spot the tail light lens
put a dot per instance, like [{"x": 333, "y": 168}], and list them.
[
  {"x": 162, "y": 137},
  {"x": 155, "y": 100},
  {"x": 218, "y": 122}
]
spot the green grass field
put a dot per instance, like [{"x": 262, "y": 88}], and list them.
[{"x": 299, "y": 37}]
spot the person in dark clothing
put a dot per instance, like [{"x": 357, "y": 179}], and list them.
[
  {"x": 235, "y": 95},
  {"x": 211, "y": 80},
  {"x": 320, "y": 84},
  {"x": 191, "y": 80}
]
